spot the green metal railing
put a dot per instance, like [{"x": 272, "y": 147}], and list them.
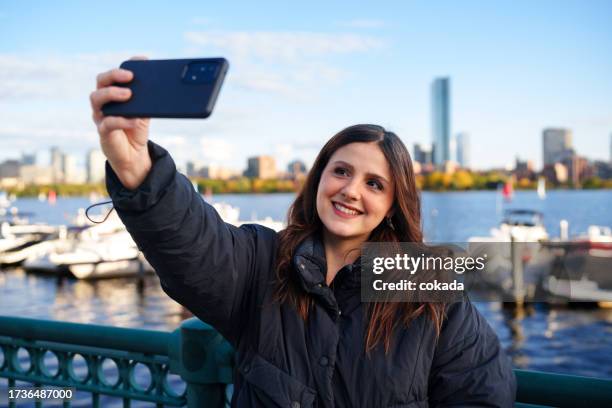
[
  {"x": 202, "y": 359},
  {"x": 195, "y": 352}
]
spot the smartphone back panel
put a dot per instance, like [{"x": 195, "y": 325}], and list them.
[{"x": 180, "y": 88}]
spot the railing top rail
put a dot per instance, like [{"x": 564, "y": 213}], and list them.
[
  {"x": 118, "y": 338},
  {"x": 563, "y": 390}
]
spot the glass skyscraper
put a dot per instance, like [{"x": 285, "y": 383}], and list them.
[
  {"x": 463, "y": 149},
  {"x": 556, "y": 145},
  {"x": 440, "y": 120}
]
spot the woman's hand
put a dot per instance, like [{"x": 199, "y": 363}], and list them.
[{"x": 123, "y": 140}]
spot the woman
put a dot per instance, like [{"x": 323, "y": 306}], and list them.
[{"x": 290, "y": 303}]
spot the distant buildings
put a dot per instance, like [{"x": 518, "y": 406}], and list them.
[
  {"x": 296, "y": 169},
  {"x": 562, "y": 164},
  {"x": 556, "y": 145},
  {"x": 33, "y": 174},
  {"x": 263, "y": 167},
  {"x": 70, "y": 170},
  {"x": 422, "y": 154},
  {"x": 28, "y": 159},
  {"x": 440, "y": 120},
  {"x": 94, "y": 164},
  {"x": 556, "y": 173},
  {"x": 524, "y": 169},
  {"x": 462, "y": 144},
  {"x": 192, "y": 169},
  {"x": 9, "y": 168},
  {"x": 211, "y": 171},
  {"x": 64, "y": 168},
  {"x": 56, "y": 165},
  {"x": 578, "y": 168},
  {"x": 602, "y": 169},
  {"x": 214, "y": 171}
]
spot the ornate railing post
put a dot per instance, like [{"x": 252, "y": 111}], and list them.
[{"x": 204, "y": 360}]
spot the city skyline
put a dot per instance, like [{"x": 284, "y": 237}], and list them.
[
  {"x": 557, "y": 149},
  {"x": 298, "y": 77}
]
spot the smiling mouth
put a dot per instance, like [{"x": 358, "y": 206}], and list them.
[{"x": 345, "y": 210}]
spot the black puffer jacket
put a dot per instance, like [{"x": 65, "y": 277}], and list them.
[{"x": 224, "y": 275}]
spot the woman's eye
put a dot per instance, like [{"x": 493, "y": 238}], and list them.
[
  {"x": 340, "y": 171},
  {"x": 376, "y": 184}
]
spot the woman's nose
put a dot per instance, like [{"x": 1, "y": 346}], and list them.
[{"x": 350, "y": 191}]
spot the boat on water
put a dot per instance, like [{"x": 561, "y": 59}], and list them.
[
  {"x": 90, "y": 252},
  {"x": 559, "y": 270},
  {"x": 515, "y": 243},
  {"x": 231, "y": 215},
  {"x": 521, "y": 225},
  {"x": 18, "y": 254},
  {"x": 581, "y": 268},
  {"x": 102, "y": 250},
  {"x": 541, "y": 190},
  {"x": 15, "y": 237}
]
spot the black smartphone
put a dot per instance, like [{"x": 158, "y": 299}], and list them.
[{"x": 176, "y": 88}]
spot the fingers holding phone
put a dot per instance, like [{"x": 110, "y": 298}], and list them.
[
  {"x": 123, "y": 140},
  {"x": 140, "y": 88}
]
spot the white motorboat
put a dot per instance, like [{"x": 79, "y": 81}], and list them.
[
  {"x": 519, "y": 226},
  {"x": 91, "y": 252},
  {"x": 16, "y": 237},
  {"x": 17, "y": 255},
  {"x": 520, "y": 230},
  {"x": 581, "y": 268},
  {"x": 231, "y": 215}
]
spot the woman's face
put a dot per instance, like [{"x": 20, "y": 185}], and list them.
[{"x": 355, "y": 192}]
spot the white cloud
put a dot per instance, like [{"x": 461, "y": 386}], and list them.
[
  {"x": 53, "y": 77},
  {"x": 297, "y": 65},
  {"x": 44, "y": 98},
  {"x": 284, "y": 152},
  {"x": 216, "y": 150},
  {"x": 283, "y": 46},
  {"x": 172, "y": 140}
]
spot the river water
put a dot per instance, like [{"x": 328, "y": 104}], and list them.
[{"x": 556, "y": 339}]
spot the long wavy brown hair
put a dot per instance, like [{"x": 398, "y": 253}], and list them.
[{"x": 304, "y": 222}]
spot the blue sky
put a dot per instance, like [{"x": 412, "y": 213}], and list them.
[{"x": 302, "y": 71}]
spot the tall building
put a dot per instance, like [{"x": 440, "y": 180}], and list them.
[
  {"x": 440, "y": 120},
  {"x": 57, "y": 165},
  {"x": 33, "y": 174},
  {"x": 463, "y": 149},
  {"x": 555, "y": 173},
  {"x": 95, "y": 166},
  {"x": 28, "y": 159},
  {"x": 422, "y": 154},
  {"x": 263, "y": 167},
  {"x": 296, "y": 168},
  {"x": 193, "y": 168},
  {"x": 69, "y": 169},
  {"x": 556, "y": 145},
  {"x": 524, "y": 169},
  {"x": 214, "y": 171},
  {"x": 578, "y": 169},
  {"x": 9, "y": 169}
]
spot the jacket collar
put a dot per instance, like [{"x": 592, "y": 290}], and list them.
[{"x": 311, "y": 266}]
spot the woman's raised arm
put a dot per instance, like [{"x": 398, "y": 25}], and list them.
[{"x": 203, "y": 263}]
